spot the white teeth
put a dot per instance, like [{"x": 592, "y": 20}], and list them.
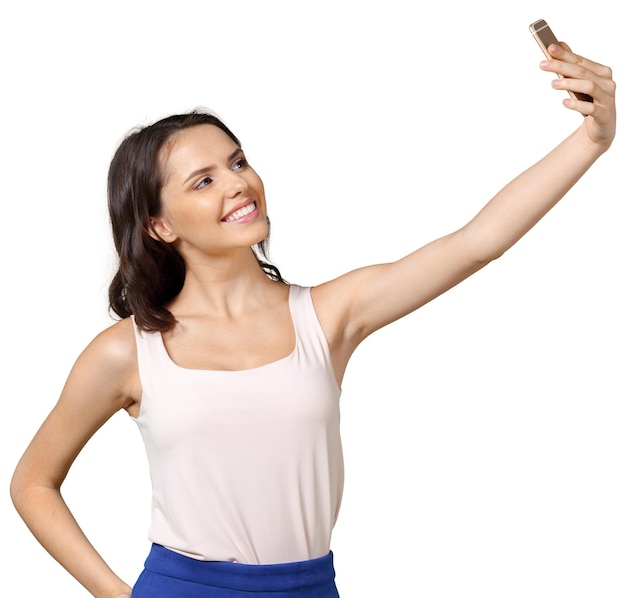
[{"x": 241, "y": 212}]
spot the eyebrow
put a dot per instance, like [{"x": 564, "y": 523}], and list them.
[{"x": 206, "y": 169}]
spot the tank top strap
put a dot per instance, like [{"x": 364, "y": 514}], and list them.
[
  {"x": 151, "y": 356},
  {"x": 311, "y": 340}
]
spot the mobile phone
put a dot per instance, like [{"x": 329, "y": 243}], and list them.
[{"x": 543, "y": 34}]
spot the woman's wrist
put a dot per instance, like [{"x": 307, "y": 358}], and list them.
[{"x": 122, "y": 592}]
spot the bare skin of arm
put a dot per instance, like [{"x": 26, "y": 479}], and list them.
[
  {"x": 354, "y": 305},
  {"x": 103, "y": 380}
]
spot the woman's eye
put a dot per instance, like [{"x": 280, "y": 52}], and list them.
[
  {"x": 203, "y": 183},
  {"x": 241, "y": 163}
]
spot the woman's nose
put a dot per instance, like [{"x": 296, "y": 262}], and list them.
[{"x": 235, "y": 184}]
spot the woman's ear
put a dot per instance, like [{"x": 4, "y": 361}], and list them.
[{"x": 159, "y": 231}]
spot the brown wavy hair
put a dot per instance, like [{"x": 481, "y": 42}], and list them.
[{"x": 151, "y": 272}]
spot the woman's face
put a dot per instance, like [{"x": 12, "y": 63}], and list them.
[{"x": 212, "y": 201}]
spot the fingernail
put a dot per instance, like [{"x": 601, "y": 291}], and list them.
[
  {"x": 544, "y": 64},
  {"x": 556, "y": 83}
]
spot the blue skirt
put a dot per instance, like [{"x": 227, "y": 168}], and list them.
[{"x": 168, "y": 574}]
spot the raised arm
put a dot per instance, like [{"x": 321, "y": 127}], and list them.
[
  {"x": 103, "y": 381},
  {"x": 356, "y": 304}
]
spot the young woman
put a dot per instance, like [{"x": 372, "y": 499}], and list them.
[{"x": 233, "y": 375}]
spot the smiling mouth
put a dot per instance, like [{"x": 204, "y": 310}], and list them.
[{"x": 241, "y": 212}]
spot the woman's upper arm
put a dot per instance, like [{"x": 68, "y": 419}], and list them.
[
  {"x": 356, "y": 304},
  {"x": 102, "y": 381}
]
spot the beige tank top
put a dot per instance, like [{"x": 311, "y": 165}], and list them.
[{"x": 246, "y": 465}]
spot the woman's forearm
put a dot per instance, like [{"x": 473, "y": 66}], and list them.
[
  {"x": 526, "y": 199},
  {"x": 45, "y": 513}
]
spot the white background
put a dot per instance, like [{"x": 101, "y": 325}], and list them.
[{"x": 484, "y": 434}]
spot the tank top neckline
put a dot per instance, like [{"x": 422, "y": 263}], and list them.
[{"x": 276, "y": 362}]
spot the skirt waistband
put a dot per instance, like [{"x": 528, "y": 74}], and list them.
[{"x": 242, "y": 577}]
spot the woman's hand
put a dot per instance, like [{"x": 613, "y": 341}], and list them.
[{"x": 585, "y": 76}]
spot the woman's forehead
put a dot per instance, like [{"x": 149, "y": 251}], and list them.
[{"x": 196, "y": 144}]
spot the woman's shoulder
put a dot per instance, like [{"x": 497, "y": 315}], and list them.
[
  {"x": 115, "y": 346},
  {"x": 110, "y": 361}
]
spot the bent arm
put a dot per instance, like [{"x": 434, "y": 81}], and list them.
[
  {"x": 101, "y": 383},
  {"x": 354, "y": 305}
]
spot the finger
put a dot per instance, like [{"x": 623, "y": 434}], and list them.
[
  {"x": 590, "y": 90},
  {"x": 585, "y": 108},
  {"x": 563, "y": 52},
  {"x": 601, "y": 108},
  {"x": 582, "y": 79}
]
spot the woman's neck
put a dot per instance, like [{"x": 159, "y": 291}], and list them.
[{"x": 222, "y": 285}]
